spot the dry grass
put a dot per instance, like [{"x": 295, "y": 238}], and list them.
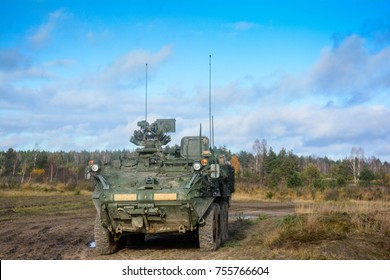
[
  {"x": 245, "y": 192},
  {"x": 365, "y": 216},
  {"x": 343, "y": 223},
  {"x": 251, "y": 191},
  {"x": 361, "y": 228},
  {"x": 347, "y": 206},
  {"x": 38, "y": 191}
]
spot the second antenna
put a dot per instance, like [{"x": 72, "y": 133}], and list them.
[{"x": 146, "y": 93}]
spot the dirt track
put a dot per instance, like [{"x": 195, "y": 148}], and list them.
[{"x": 60, "y": 226}]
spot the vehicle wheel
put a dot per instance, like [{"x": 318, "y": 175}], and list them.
[
  {"x": 105, "y": 243},
  {"x": 210, "y": 231},
  {"x": 224, "y": 221}
]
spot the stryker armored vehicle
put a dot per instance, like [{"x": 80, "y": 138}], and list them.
[{"x": 156, "y": 192}]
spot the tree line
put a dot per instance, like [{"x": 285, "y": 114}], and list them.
[
  {"x": 34, "y": 166},
  {"x": 265, "y": 167},
  {"x": 262, "y": 166}
]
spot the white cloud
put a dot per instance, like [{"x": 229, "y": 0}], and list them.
[
  {"x": 17, "y": 66},
  {"x": 23, "y": 74},
  {"x": 59, "y": 63},
  {"x": 44, "y": 31},
  {"x": 244, "y": 25},
  {"x": 86, "y": 112},
  {"x": 93, "y": 37},
  {"x": 351, "y": 72},
  {"x": 132, "y": 64},
  {"x": 11, "y": 59},
  {"x": 308, "y": 130}
]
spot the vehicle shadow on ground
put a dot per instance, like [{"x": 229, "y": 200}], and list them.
[
  {"x": 167, "y": 242},
  {"x": 238, "y": 229}
]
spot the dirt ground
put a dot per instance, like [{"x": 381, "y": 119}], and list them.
[
  {"x": 58, "y": 226},
  {"x": 61, "y": 226}
]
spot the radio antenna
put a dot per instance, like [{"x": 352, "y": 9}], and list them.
[
  {"x": 210, "y": 99},
  {"x": 200, "y": 139},
  {"x": 212, "y": 126},
  {"x": 146, "y": 93}
]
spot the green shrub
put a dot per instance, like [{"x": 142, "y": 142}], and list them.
[{"x": 269, "y": 195}]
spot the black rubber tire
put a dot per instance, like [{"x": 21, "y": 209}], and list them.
[
  {"x": 105, "y": 243},
  {"x": 224, "y": 221},
  {"x": 210, "y": 231}
]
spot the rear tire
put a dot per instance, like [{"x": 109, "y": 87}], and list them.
[
  {"x": 224, "y": 221},
  {"x": 210, "y": 231},
  {"x": 105, "y": 243}
]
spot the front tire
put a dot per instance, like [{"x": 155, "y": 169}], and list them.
[
  {"x": 210, "y": 231},
  {"x": 105, "y": 243}
]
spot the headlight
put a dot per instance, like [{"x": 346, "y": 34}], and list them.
[
  {"x": 95, "y": 167},
  {"x": 197, "y": 166}
]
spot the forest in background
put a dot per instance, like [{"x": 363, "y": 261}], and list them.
[{"x": 261, "y": 168}]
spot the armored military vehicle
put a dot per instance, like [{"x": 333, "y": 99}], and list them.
[{"x": 155, "y": 192}]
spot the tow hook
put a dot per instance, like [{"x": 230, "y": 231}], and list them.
[
  {"x": 119, "y": 229},
  {"x": 182, "y": 229}
]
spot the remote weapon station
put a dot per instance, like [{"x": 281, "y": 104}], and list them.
[{"x": 154, "y": 192}]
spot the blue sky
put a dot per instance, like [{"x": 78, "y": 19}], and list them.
[{"x": 309, "y": 76}]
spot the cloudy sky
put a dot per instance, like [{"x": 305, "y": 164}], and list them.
[{"x": 309, "y": 76}]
